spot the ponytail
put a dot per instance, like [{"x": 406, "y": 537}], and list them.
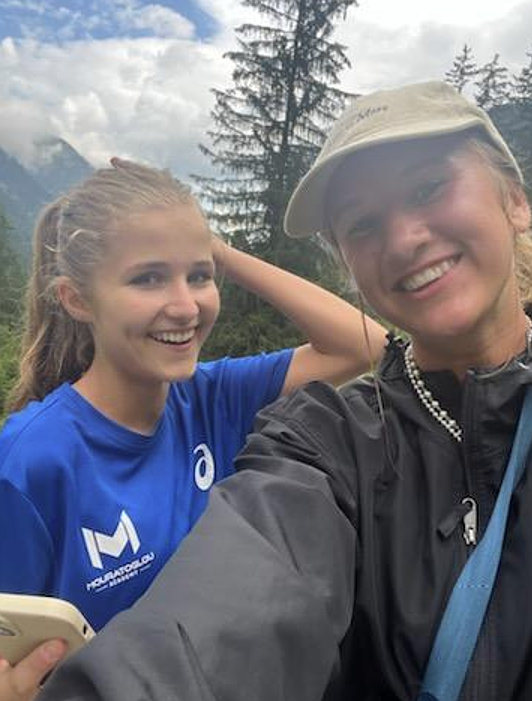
[{"x": 55, "y": 347}]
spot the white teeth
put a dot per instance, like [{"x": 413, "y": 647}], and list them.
[
  {"x": 414, "y": 282},
  {"x": 173, "y": 336}
]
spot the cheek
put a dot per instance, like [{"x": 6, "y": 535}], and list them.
[
  {"x": 211, "y": 302},
  {"x": 359, "y": 261}
]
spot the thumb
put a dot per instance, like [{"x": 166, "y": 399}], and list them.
[{"x": 24, "y": 678}]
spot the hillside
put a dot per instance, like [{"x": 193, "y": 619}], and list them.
[{"x": 23, "y": 190}]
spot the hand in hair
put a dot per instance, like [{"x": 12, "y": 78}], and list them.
[
  {"x": 21, "y": 682},
  {"x": 118, "y": 162},
  {"x": 219, "y": 250}
]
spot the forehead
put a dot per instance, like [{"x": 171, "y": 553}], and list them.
[
  {"x": 169, "y": 233},
  {"x": 151, "y": 224},
  {"x": 157, "y": 217}
]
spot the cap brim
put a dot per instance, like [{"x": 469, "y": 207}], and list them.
[{"x": 306, "y": 213}]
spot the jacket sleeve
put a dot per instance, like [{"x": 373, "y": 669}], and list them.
[{"x": 257, "y": 599}]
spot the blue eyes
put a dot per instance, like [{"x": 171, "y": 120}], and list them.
[
  {"x": 362, "y": 228},
  {"x": 427, "y": 192},
  {"x": 149, "y": 279},
  {"x": 201, "y": 277},
  {"x": 154, "y": 278}
]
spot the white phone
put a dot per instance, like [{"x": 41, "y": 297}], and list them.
[{"x": 27, "y": 621}]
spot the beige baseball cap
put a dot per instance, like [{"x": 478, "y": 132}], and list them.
[{"x": 417, "y": 111}]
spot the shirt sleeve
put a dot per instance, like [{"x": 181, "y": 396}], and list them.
[
  {"x": 26, "y": 552},
  {"x": 256, "y": 601},
  {"x": 253, "y": 382}
]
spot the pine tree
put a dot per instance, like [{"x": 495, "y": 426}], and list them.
[
  {"x": 493, "y": 86},
  {"x": 11, "y": 292},
  {"x": 270, "y": 124},
  {"x": 268, "y": 129},
  {"x": 522, "y": 83},
  {"x": 514, "y": 119},
  {"x": 11, "y": 277},
  {"x": 464, "y": 68},
  {"x": 508, "y": 101}
]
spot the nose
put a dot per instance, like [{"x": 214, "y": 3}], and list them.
[
  {"x": 180, "y": 302},
  {"x": 405, "y": 234}
]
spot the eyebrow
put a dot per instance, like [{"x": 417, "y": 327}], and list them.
[
  {"x": 161, "y": 264},
  {"x": 443, "y": 159}
]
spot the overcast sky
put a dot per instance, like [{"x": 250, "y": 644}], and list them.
[{"x": 133, "y": 78}]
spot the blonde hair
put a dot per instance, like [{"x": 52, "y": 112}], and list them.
[
  {"x": 70, "y": 240},
  {"x": 508, "y": 180}
]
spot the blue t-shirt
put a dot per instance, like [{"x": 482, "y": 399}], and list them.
[{"x": 90, "y": 511}]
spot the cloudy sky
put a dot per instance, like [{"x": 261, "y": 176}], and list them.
[{"x": 133, "y": 78}]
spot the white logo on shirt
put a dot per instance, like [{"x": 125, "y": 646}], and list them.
[
  {"x": 204, "y": 470},
  {"x": 102, "y": 544}
]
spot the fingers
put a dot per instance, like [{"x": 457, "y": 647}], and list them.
[{"x": 21, "y": 682}]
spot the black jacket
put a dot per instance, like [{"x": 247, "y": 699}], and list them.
[{"x": 322, "y": 569}]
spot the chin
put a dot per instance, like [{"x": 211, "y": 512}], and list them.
[
  {"x": 448, "y": 323},
  {"x": 183, "y": 375}
]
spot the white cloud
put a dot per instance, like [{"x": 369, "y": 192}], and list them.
[
  {"x": 418, "y": 40},
  {"x": 162, "y": 21},
  {"x": 470, "y": 13},
  {"x": 27, "y": 5},
  {"x": 145, "y": 98},
  {"x": 149, "y": 98}
]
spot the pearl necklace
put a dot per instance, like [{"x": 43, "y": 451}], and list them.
[{"x": 428, "y": 400}]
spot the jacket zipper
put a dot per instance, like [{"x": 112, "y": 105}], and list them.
[
  {"x": 476, "y": 681},
  {"x": 470, "y": 521}
]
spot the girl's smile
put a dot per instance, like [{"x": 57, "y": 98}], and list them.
[{"x": 427, "y": 276}]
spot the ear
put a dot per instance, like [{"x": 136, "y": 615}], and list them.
[
  {"x": 518, "y": 210},
  {"x": 72, "y": 300}
]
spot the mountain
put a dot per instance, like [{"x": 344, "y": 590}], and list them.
[
  {"x": 21, "y": 197},
  {"x": 24, "y": 190},
  {"x": 59, "y": 166}
]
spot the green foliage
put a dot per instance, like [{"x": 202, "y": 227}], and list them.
[
  {"x": 493, "y": 84},
  {"x": 9, "y": 357},
  {"x": 514, "y": 121},
  {"x": 522, "y": 83},
  {"x": 12, "y": 279},
  {"x": 463, "y": 69},
  {"x": 260, "y": 330},
  {"x": 247, "y": 325},
  {"x": 11, "y": 291}
]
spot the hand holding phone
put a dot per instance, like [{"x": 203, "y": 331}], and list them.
[
  {"x": 27, "y": 621},
  {"x": 23, "y": 681}
]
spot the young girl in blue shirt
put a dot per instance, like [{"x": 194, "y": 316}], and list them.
[{"x": 119, "y": 431}]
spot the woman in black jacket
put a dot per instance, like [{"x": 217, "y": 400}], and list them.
[{"x": 323, "y": 568}]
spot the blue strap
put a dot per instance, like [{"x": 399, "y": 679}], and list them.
[{"x": 459, "y": 628}]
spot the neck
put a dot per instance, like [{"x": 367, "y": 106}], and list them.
[
  {"x": 131, "y": 404},
  {"x": 488, "y": 347}
]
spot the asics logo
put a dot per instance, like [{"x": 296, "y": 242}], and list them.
[
  {"x": 99, "y": 544},
  {"x": 204, "y": 469}
]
